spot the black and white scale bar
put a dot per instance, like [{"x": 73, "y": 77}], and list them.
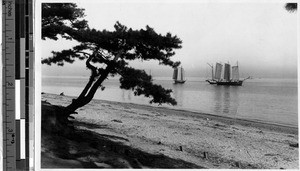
[{"x": 21, "y": 163}]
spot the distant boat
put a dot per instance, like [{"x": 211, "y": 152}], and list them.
[
  {"x": 179, "y": 75},
  {"x": 227, "y": 80},
  {"x": 212, "y": 80}
]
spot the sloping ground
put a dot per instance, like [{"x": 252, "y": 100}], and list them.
[
  {"x": 68, "y": 147},
  {"x": 87, "y": 149},
  {"x": 118, "y": 135}
]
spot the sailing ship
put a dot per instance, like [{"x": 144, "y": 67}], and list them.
[
  {"x": 226, "y": 80},
  {"x": 179, "y": 75}
]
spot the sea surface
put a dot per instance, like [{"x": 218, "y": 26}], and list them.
[{"x": 266, "y": 100}]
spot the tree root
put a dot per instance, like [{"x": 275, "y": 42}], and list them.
[{"x": 55, "y": 119}]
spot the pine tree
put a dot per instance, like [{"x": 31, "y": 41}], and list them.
[{"x": 112, "y": 49}]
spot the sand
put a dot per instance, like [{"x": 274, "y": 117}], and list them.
[{"x": 121, "y": 135}]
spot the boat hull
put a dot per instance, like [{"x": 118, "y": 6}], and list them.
[
  {"x": 212, "y": 81},
  {"x": 179, "y": 81},
  {"x": 230, "y": 83}
]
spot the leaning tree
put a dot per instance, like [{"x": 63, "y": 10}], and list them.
[{"x": 107, "y": 53}]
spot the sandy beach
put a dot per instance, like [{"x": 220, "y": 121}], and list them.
[{"x": 120, "y": 135}]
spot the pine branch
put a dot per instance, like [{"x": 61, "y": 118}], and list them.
[
  {"x": 102, "y": 77},
  {"x": 141, "y": 83}
]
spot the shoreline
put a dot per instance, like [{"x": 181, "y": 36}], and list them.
[
  {"x": 190, "y": 139},
  {"x": 227, "y": 119},
  {"x": 241, "y": 121}
]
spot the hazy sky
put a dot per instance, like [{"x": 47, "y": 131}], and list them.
[{"x": 262, "y": 36}]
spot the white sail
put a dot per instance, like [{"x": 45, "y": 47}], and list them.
[
  {"x": 179, "y": 74},
  {"x": 218, "y": 71},
  {"x": 212, "y": 73},
  {"x": 235, "y": 73},
  {"x": 182, "y": 74},
  {"x": 227, "y": 72}
]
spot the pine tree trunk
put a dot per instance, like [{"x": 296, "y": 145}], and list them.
[
  {"x": 83, "y": 100},
  {"x": 86, "y": 96}
]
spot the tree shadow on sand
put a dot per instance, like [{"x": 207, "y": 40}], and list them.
[{"x": 81, "y": 148}]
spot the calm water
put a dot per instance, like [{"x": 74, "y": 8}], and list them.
[{"x": 268, "y": 100}]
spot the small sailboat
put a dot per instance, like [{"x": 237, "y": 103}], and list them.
[{"x": 179, "y": 75}]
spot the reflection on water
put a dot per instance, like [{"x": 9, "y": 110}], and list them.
[
  {"x": 124, "y": 92},
  {"x": 214, "y": 99},
  {"x": 226, "y": 99},
  {"x": 178, "y": 90}
]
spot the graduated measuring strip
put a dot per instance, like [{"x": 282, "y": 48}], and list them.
[{"x": 17, "y": 55}]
